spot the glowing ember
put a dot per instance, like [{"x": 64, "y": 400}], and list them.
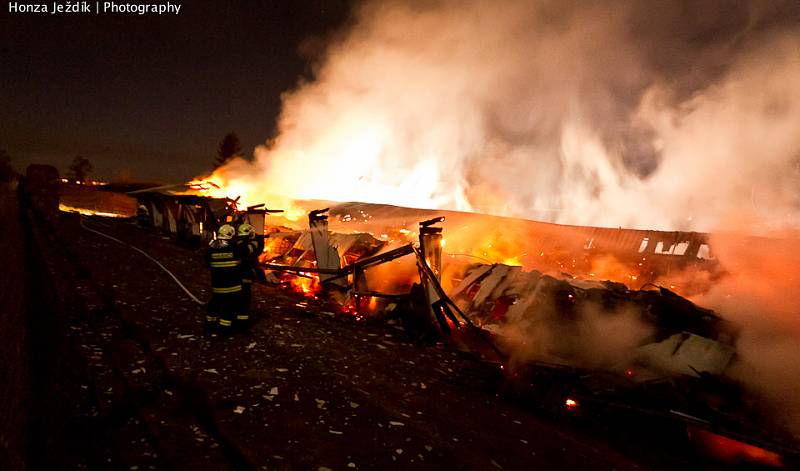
[
  {"x": 571, "y": 404},
  {"x": 732, "y": 451},
  {"x": 306, "y": 283}
]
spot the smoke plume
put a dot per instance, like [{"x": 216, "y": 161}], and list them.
[{"x": 674, "y": 115}]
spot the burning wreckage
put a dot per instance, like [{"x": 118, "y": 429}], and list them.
[
  {"x": 582, "y": 347},
  {"x": 574, "y": 345}
]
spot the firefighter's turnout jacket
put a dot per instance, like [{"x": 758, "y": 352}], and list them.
[
  {"x": 226, "y": 283},
  {"x": 247, "y": 250}
]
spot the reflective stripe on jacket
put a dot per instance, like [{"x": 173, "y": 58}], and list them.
[{"x": 226, "y": 276}]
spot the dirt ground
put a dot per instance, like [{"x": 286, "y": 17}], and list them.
[
  {"x": 13, "y": 346},
  {"x": 141, "y": 386}
]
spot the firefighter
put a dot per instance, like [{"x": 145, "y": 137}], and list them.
[
  {"x": 226, "y": 281},
  {"x": 248, "y": 248},
  {"x": 142, "y": 216}
]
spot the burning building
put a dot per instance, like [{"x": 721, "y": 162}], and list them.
[
  {"x": 647, "y": 172},
  {"x": 601, "y": 342}
]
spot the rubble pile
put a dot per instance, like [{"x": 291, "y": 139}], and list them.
[{"x": 541, "y": 317}]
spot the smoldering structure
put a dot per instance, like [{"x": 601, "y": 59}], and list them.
[
  {"x": 678, "y": 119},
  {"x": 603, "y": 348}
]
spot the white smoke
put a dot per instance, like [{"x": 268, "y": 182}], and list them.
[{"x": 676, "y": 116}]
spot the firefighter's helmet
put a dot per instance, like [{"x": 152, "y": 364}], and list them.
[
  {"x": 226, "y": 232},
  {"x": 246, "y": 231}
]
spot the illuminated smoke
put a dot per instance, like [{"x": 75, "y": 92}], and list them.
[
  {"x": 679, "y": 115},
  {"x": 761, "y": 293}
]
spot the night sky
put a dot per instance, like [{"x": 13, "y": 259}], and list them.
[{"x": 148, "y": 98}]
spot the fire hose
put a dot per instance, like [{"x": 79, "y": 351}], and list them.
[{"x": 177, "y": 281}]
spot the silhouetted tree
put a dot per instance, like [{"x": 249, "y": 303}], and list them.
[
  {"x": 80, "y": 168},
  {"x": 229, "y": 148},
  {"x": 6, "y": 170}
]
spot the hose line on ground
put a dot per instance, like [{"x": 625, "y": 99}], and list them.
[{"x": 189, "y": 293}]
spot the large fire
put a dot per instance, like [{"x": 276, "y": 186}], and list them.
[
  {"x": 596, "y": 115},
  {"x": 465, "y": 106}
]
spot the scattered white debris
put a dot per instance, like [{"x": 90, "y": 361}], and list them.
[
  {"x": 399, "y": 451},
  {"x": 353, "y": 405},
  {"x": 496, "y": 464},
  {"x": 320, "y": 403},
  {"x": 274, "y": 391},
  {"x": 185, "y": 336},
  {"x": 281, "y": 370},
  {"x": 351, "y": 465},
  {"x": 396, "y": 424},
  {"x": 336, "y": 432},
  {"x": 296, "y": 345},
  {"x": 296, "y": 397},
  {"x": 324, "y": 468},
  {"x": 136, "y": 371},
  {"x": 252, "y": 344},
  {"x": 428, "y": 447},
  {"x": 238, "y": 410},
  {"x": 423, "y": 386},
  {"x": 212, "y": 370},
  {"x": 523, "y": 441}
]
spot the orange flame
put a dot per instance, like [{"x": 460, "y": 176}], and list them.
[
  {"x": 571, "y": 404},
  {"x": 218, "y": 185},
  {"x": 306, "y": 284},
  {"x": 732, "y": 451}
]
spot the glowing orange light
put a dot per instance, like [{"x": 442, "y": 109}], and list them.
[
  {"x": 733, "y": 451},
  {"x": 571, "y": 403}
]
